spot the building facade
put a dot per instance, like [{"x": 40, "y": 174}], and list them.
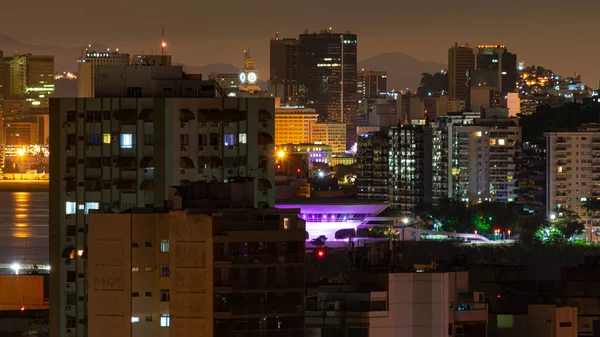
[
  {"x": 283, "y": 77},
  {"x": 327, "y": 77},
  {"x": 371, "y": 84},
  {"x": 86, "y": 68},
  {"x": 495, "y": 66},
  {"x": 410, "y": 167},
  {"x": 396, "y": 306},
  {"x": 293, "y": 125},
  {"x": 212, "y": 271},
  {"x": 461, "y": 62},
  {"x": 573, "y": 173},
  {"x": 333, "y": 134},
  {"x": 372, "y": 167},
  {"x": 116, "y": 153}
]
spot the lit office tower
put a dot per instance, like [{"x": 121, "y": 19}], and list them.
[
  {"x": 371, "y": 84},
  {"x": 284, "y": 69},
  {"x": 146, "y": 129},
  {"x": 27, "y": 82},
  {"x": 327, "y": 77},
  {"x": 460, "y": 62},
  {"x": 86, "y": 67},
  {"x": 495, "y": 66}
]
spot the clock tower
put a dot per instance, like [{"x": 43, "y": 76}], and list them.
[{"x": 249, "y": 75}]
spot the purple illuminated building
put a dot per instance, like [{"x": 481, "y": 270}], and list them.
[{"x": 324, "y": 219}]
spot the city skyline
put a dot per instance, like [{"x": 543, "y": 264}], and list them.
[{"x": 389, "y": 31}]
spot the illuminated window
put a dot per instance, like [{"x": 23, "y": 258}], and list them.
[
  {"x": 492, "y": 141},
  {"x": 135, "y": 319},
  {"x": 242, "y": 138},
  {"x": 229, "y": 139},
  {"x": 126, "y": 141},
  {"x": 286, "y": 223},
  {"x": 164, "y": 246},
  {"x": 560, "y": 169},
  {"x": 164, "y": 320},
  {"x": 71, "y": 207},
  {"x": 135, "y": 269},
  {"x": 106, "y": 138},
  {"x": 478, "y": 133},
  {"x": 501, "y": 141},
  {"x": 91, "y": 205}
]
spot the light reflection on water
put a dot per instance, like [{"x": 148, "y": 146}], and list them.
[{"x": 24, "y": 227}]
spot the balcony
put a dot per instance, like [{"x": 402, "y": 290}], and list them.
[{"x": 472, "y": 312}]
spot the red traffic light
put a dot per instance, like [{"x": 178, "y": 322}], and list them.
[{"x": 320, "y": 253}]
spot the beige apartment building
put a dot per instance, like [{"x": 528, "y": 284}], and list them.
[
  {"x": 86, "y": 68},
  {"x": 333, "y": 134},
  {"x": 573, "y": 173},
  {"x": 203, "y": 272},
  {"x": 293, "y": 125}
]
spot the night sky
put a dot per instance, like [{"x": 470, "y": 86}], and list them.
[{"x": 558, "y": 34}]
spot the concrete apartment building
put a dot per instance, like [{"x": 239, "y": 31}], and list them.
[
  {"x": 541, "y": 320},
  {"x": 218, "y": 270},
  {"x": 573, "y": 173},
  {"x": 293, "y": 125},
  {"x": 124, "y": 150},
  {"x": 475, "y": 159},
  {"x": 424, "y": 304}
]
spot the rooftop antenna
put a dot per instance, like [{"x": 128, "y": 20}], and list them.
[{"x": 163, "y": 45}]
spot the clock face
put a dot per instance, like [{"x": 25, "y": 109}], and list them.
[
  {"x": 252, "y": 77},
  {"x": 242, "y": 77}
]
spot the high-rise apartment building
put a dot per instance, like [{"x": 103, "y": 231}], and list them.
[
  {"x": 461, "y": 62},
  {"x": 410, "y": 167},
  {"x": 293, "y": 125},
  {"x": 283, "y": 77},
  {"x": 124, "y": 150},
  {"x": 216, "y": 268},
  {"x": 371, "y": 84},
  {"x": 573, "y": 173},
  {"x": 372, "y": 166},
  {"x": 333, "y": 134},
  {"x": 531, "y": 175},
  {"x": 475, "y": 159},
  {"x": 327, "y": 77},
  {"x": 86, "y": 68},
  {"x": 495, "y": 66}
]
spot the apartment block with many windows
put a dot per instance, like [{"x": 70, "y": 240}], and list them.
[{"x": 117, "y": 153}]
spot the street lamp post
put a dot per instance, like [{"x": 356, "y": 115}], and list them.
[{"x": 21, "y": 154}]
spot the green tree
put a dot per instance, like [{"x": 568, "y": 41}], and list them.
[
  {"x": 529, "y": 226},
  {"x": 568, "y": 223}
]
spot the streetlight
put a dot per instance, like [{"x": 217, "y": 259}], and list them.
[
  {"x": 281, "y": 154},
  {"x": 405, "y": 221},
  {"x": 21, "y": 154},
  {"x": 552, "y": 216}
]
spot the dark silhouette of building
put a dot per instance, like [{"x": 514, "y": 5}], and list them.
[
  {"x": 495, "y": 66},
  {"x": 327, "y": 77},
  {"x": 284, "y": 68},
  {"x": 460, "y": 62}
]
